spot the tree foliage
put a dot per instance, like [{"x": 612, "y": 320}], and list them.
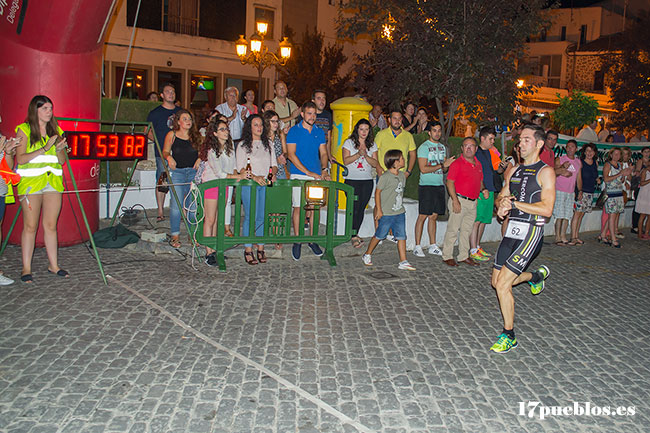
[
  {"x": 314, "y": 66},
  {"x": 461, "y": 51},
  {"x": 629, "y": 76},
  {"x": 575, "y": 110}
]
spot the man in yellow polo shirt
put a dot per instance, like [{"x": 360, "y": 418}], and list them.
[{"x": 394, "y": 137}]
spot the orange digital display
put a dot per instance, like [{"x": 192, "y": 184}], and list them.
[{"x": 116, "y": 146}]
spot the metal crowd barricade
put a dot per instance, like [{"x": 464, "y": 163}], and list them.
[{"x": 277, "y": 216}]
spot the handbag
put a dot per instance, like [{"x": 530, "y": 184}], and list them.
[
  {"x": 602, "y": 198},
  {"x": 198, "y": 178},
  {"x": 162, "y": 183}
]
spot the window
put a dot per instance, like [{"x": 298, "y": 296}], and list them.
[
  {"x": 599, "y": 81},
  {"x": 268, "y": 16},
  {"x": 583, "y": 34},
  {"x": 217, "y": 19},
  {"x": 203, "y": 92},
  {"x": 181, "y": 16},
  {"x": 551, "y": 68},
  {"x": 135, "y": 84},
  {"x": 542, "y": 35},
  {"x": 563, "y": 33}
]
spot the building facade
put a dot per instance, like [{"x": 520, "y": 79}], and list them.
[{"x": 191, "y": 43}]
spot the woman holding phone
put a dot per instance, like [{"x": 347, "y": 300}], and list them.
[{"x": 40, "y": 155}]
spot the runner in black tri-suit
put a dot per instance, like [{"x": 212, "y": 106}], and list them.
[{"x": 528, "y": 197}]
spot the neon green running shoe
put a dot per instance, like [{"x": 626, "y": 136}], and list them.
[
  {"x": 484, "y": 253},
  {"x": 504, "y": 344},
  {"x": 537, "y": 288},
  {"x": 479, "y": 258}
]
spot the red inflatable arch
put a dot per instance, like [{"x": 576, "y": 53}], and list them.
[{"x": 54, "y": 48}]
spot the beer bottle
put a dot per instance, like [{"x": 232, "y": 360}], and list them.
[
  {"x": 269, "y": 178},
  {"x": 249, "y": 169}
]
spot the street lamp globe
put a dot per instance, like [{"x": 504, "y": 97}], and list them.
[
  {"x": 256, "y": 43},
  {"x": 242, "y": 46},
  {"x": 285, "y": 49},
  {"x": 262, "y": 28}
]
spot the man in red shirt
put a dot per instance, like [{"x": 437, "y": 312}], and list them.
[
  {"x": 547, "y": 154},
  {"x": 464, "y": 183}
]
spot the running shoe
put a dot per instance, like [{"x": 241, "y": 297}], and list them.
[
  {"x": 315, "y": 249},
  {"x": 484, "y": 253},
  {"x": 367, "y": 259},
  {"x": 418, "y": 251},
  {"x": 5, "y": 281},
  {"x": 478, "y": 257},
  {"x": 435, "y": 250},
  {"x": 211, "y": 259},
  {"x": 504, "y": 344},
  {"x": 537, "y": 288},
  {"x": 391, "y": 238},
  {"x": 406, "y": 266},
  {"x": 295, "y": 251}
]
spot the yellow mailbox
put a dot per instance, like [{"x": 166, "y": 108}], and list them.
[{"x": 346, "y": 113}]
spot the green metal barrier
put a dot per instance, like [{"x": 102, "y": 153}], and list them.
[{"x": 277, "y": 216}]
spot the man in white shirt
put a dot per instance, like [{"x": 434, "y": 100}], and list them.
[
  {"x": 235, "y": 112},
  {"x": 376, "y": 117},
  {"x": 588, "y": 133}
]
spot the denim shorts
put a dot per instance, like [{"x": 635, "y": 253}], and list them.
[{"x": 395, "y": 222}]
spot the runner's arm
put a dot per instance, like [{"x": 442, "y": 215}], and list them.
[{"x": 544, "y": 207}]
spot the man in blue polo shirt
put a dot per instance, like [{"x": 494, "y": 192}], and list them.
[{"x": 307, "y": 161}]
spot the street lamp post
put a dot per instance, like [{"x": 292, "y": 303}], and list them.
[{"x": 260, "y": 56}]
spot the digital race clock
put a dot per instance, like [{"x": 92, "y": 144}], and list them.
[{"x": 106, "y": 145}]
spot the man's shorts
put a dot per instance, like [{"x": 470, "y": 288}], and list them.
[
  {"x": 585, "y": 204},
  {"x": 431, "y": 199},
  {"x": 485, "y": 208},
  {"x": 563, "y": 208},
  {"x": 516, "y": 254},
  {"x": 395, "y": 222},
  {"x": 295, "y": 194}
]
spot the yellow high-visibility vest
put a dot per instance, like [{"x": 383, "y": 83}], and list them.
[{"x": 42, "y": 170}]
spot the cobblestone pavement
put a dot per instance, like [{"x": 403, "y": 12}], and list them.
[{"x": 302, "y": 347}]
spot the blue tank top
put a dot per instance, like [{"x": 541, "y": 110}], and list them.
[{"x": 589, "y": 175}]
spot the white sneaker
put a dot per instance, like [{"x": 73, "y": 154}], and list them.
[
  {"x": 406, "y": 266},
  {"x": 434, "y": 250},
  {"x": 5, "y": 281},
  {"x": 367, "y": 259},
  {"x": 418, "y": 251},
  {"x": 391, "y": 238}
]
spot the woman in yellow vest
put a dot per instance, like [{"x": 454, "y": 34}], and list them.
[
  {"x": 7, "y": 152},
  {"x": 40, "y": 154}
]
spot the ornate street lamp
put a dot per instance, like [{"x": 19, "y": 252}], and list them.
[{"x": 258, "y": 54}]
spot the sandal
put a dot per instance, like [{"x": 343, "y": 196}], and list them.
[
  {"x": 228, "y": 233},
  {"x": 615, "y": 244},
  {"x": 357, "y": 242},
  {"x": 175, "y": 242},
  {"x": 247, "y": 255},
  {"x": 561, "y": 243},
  {"x": 27, "y": 278},
  {"x": 578, "y": 241},
  {"x": 60, "y": 273},
  {"x": 160, "y": 218},
  {"x": 261, "y": 256}
]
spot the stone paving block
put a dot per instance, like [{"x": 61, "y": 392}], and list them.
[{"x": 98, "y": 358}]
